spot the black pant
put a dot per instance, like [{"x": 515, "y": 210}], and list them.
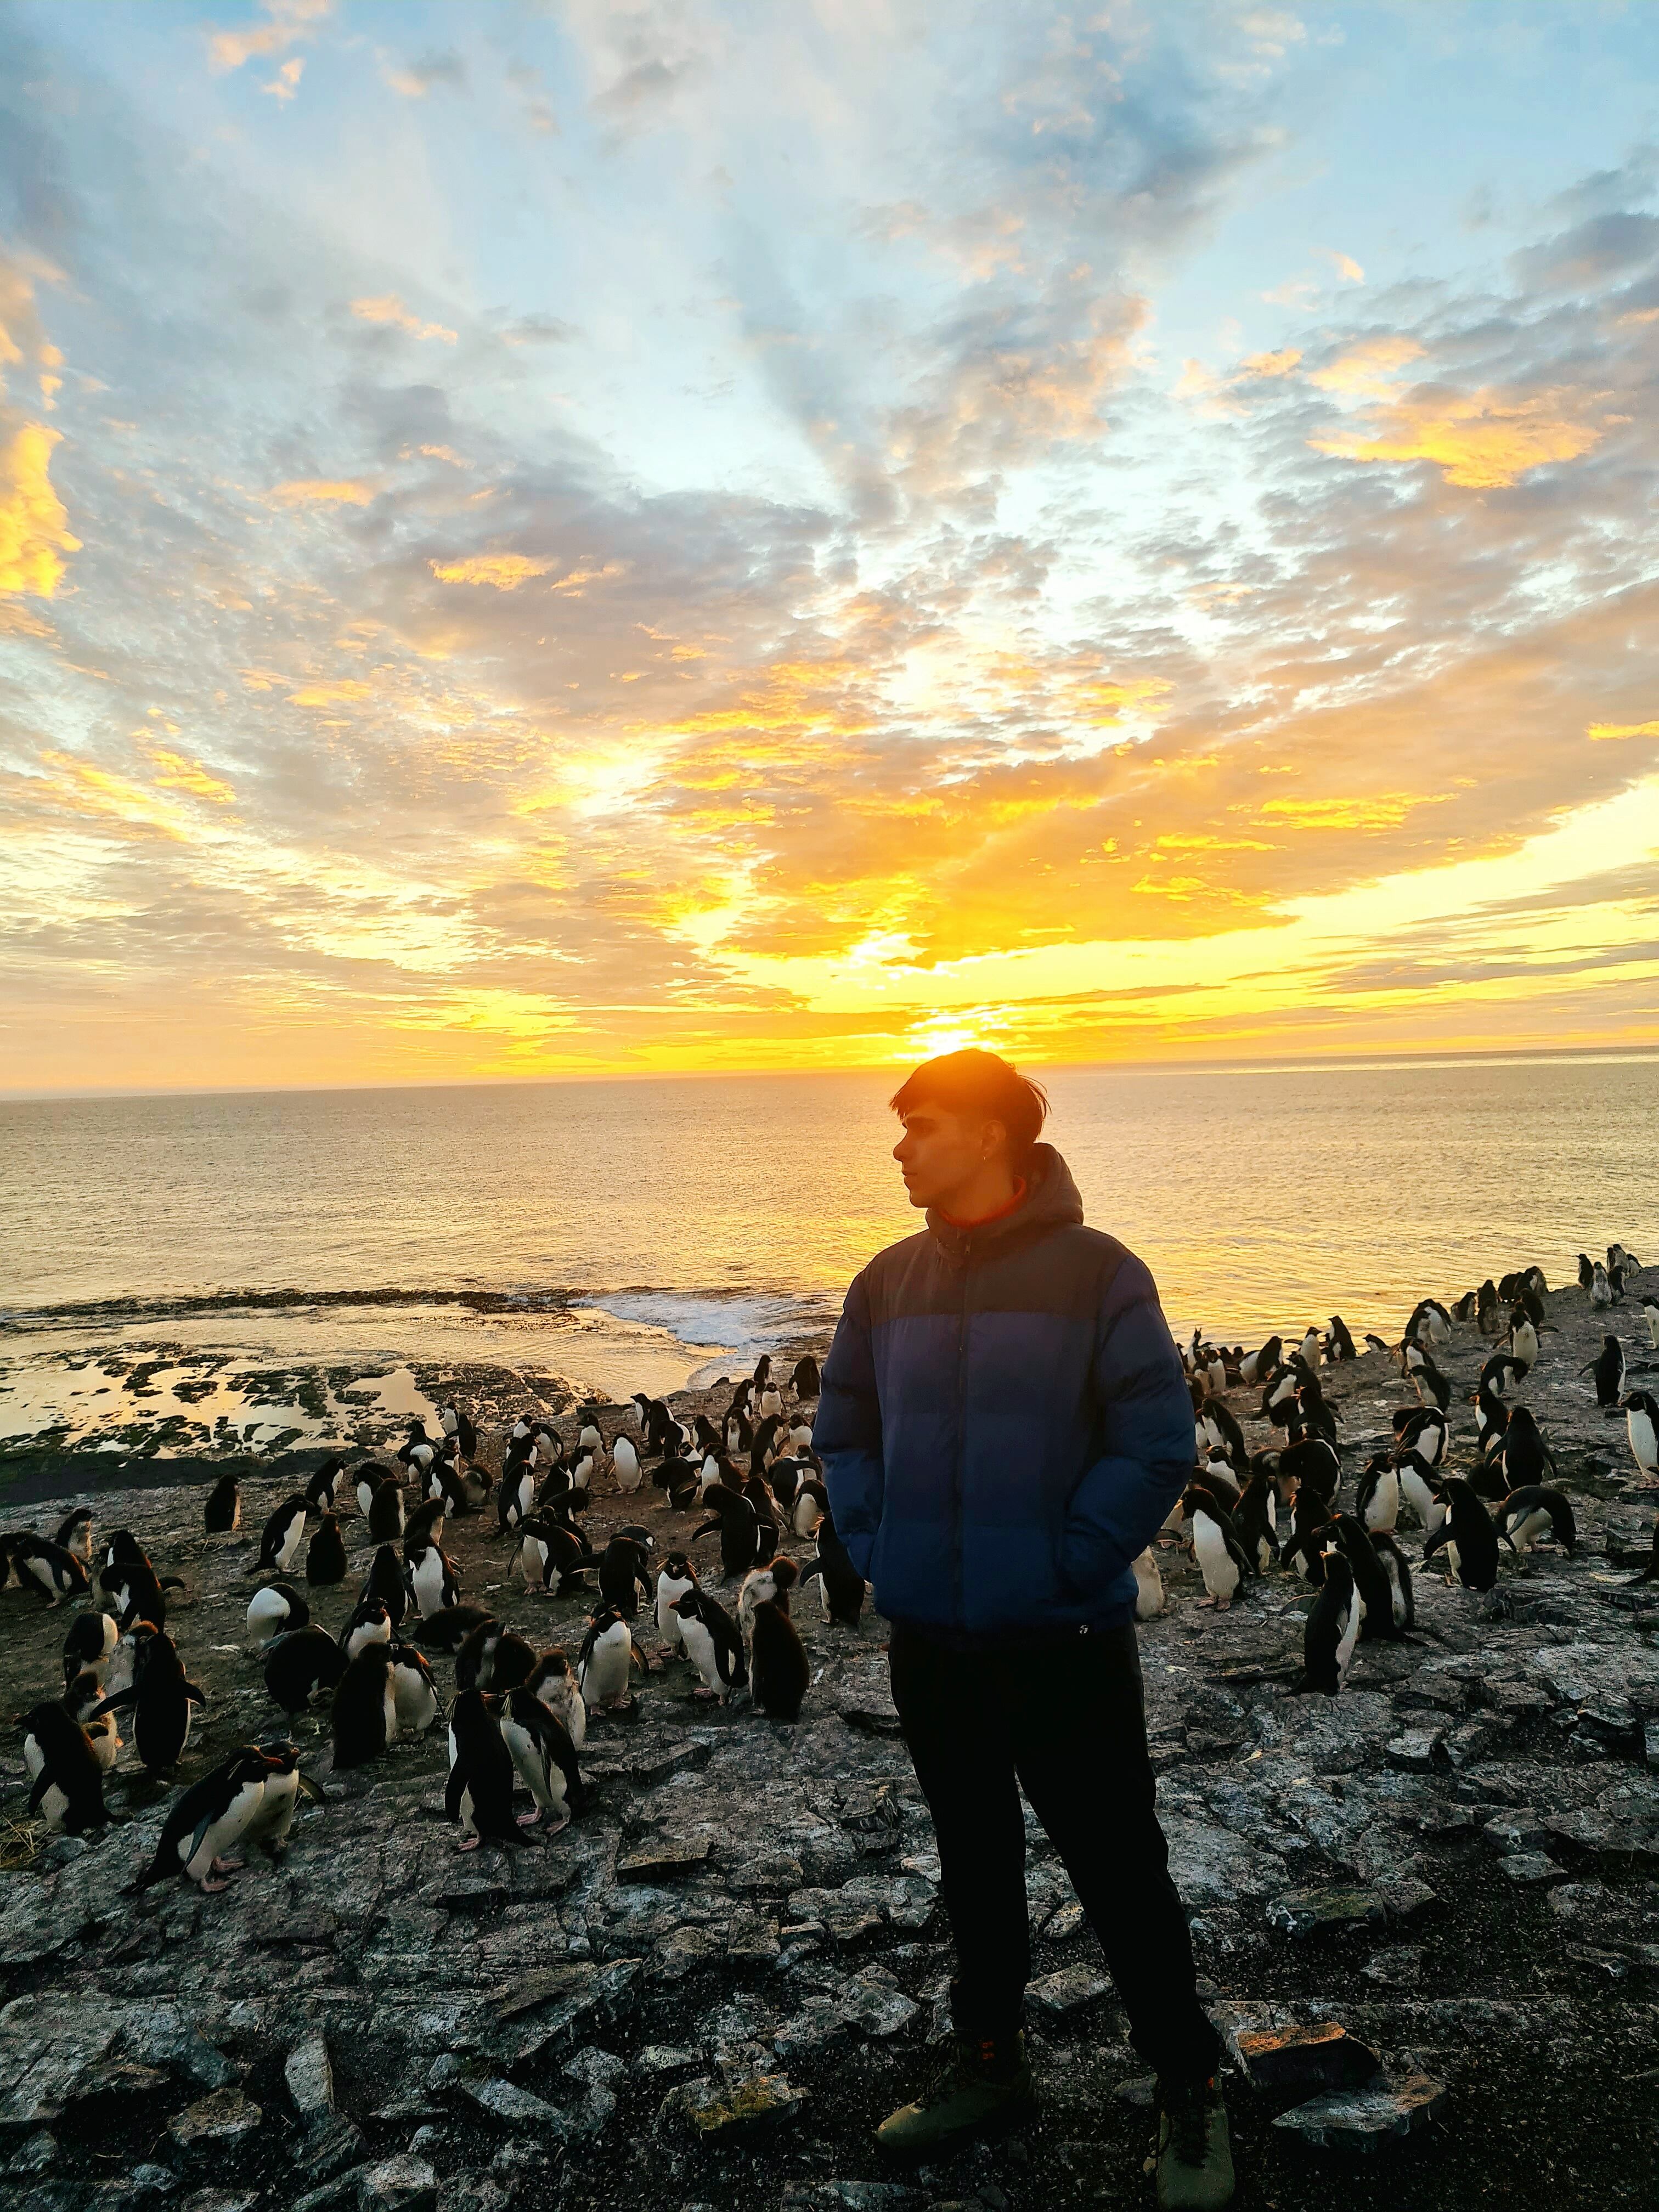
[{"x": 1070, "y": 1728}]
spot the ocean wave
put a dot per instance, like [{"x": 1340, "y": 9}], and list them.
[
  {"x": 187, "y": 1305},
  {"x": 728, "y": 1321}
]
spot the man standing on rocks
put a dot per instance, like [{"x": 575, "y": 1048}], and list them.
[{"x": 1004, "y": 1425}]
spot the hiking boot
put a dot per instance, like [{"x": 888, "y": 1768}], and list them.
[
  {"x": 1194, "y": 2154},
  {"x": 982, "y": 2087}
]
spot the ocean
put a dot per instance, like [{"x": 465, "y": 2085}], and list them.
[{"x": 628, "y": 1234}]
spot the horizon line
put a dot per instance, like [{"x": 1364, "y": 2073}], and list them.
[{"x": 1292, "y": 1064}]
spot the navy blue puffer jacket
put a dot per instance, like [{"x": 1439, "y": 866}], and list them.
[{"x": 1005, "y": 1423}]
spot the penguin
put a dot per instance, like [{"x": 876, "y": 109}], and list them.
[
  {"x": 1429, "y": 1383},
  {"x": 1370, "y": 1577},
  {"x": 56, "y": 1572},
  {"x": 712, "y": 1644},
  {"x": 448, "y": 1630},
  {"x": 385, "y": 1585},
  {"x": 74, "y": 1534},
  {"x": 422, "y": 1525},
  {"x": 1401, "y": 1603},
  {"x": 1311, "y": 1521},
  {"x": 274, "y": 1610},
  {"x": 1601, "y": 1292},
  {"x": 1608, "y": 1369},
  {"x": 1332, "y": 1629},
  {"x": 1501, "y": 1373},
  {"x": 1255, "y": 1519},
  {"x": 1526, "y": 1513},
  {"x": 1376, "y": 1499},
  {"x": 68, "y": 1781},
  {"x": 385, "y": 1512},
  {"x": 1150, "y": 1599},
  {"x": 281, "y": 1539},
  {"x": 432, "y": 1580},
  {"x": 321, "y": 1488},
  {"x": 607, "y": 1654},
  {"x": 768, "y": 1522},
  {"x": 810, "y": 1504},
  {"x": 1641, "y": 1412},
  {"x": 737, "y": 1525},
  {"x": 1311, "y": 1462},
  {"x": 89, "y": 1646},
  {"x": 494, "y": 1658},
  {"x": 1256, "y": 1366},
  {"x": 778, "y": 1668},
  {"x": 161, "y": 1698},
  {"x": 1491, "y": 1414},
  {"x": 1222, "y": 1559},
  {"x": 625, "y": 1465},
  {"x": 415, "y": 1698},
  {"x": 1223, "y": 1429},
  {"x": 364, "y": 1716},
  {"x": 284, "y": 1785},
  {"x": 370, "y": 1623},
  {"x": 1650, "y": 1314},
  {"x": 1310, "y": 1349},
  {"x": 136, "y": 1591},
  {"x": 1523, "y": 1336},
  {"x": 1419, "y": 1490},
  {"x": 419, "y": 1451},
  {"x": 1467, "y": 1538},
  {"x": 805, "y": 1380},
  {"x": 516, "y": 1494},
  {"x": 677, "y": 1576},
  {"x": 840, "y": 1583},
  {"x": 326, "y": 1556},
  {"x": 479, "y": 1792},
  {"x": 540, "y": 1748},
  {"x": 551, "y": 1557},
  {"x": 1424, "y": 1430},
  {"x": 207, "y": 1821},
  {"x": 444, "y": 1483},
  {"x": 1429, "y": 1322},
  {"x": 81, "y": 1699},
  {"x": 552, "y": 1682},
  {"x": 223, "y": 1514},
  {"x": 366, "y": 1481},
  {"x": 622, "y": 1573},
  {"x": 300, "y": 1664},
  {"x": 1586, "y": 1271},
  {"x": 1526, "y": 1458}
]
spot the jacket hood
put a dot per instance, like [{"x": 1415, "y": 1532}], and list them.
[{"x": 1051, "y": 1202}]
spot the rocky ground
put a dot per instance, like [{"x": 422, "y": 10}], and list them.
[{"x": 704, "y": 1992}]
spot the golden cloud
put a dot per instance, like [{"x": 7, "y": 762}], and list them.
[
  {"x": 1271, "y": 364},
  {"x": 1366, "y": 367},
  {"x": 289, "y": 20},
  {"x": 174, "y": 772},
  {"x": 324, "y": 491},
  {"x": 1385, "y": 812},
  {"x": 337, "y": 693},
  {"x": 1623, "y": 730},
  {"x": 389, "y": 309},
  {"x": 503, "y": 571},
  {"x": 1483, "y": 442},
  {"x": 33, "y": 526}
]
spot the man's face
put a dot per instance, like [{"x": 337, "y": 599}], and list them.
[{"x": 941, "y": 1154}]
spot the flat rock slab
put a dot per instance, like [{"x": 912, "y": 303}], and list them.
[
  {"x": 711, "y": 2109},
  {"x": 517, "y": 2107},
  {"x": 665, "y": 1861},
  {"x": 1528, "y": 1866},
  {"x": 398, "y": 2184},
  {"x": 226, "y": 2116},
  {"x": 1323, "y": 2056},
  {"x": 1067, "y": 1989},
  {"x": 1366, "y": 2120},
  {"x": 1318, "y": 1912}
]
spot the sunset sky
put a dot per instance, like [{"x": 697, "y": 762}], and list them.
[{"x": 542, "y": 539}]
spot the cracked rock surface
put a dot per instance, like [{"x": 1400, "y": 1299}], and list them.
[{"x": 707, "y": 1989}]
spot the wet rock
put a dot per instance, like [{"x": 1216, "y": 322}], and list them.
[
  {"x": 1364, "y": 2120},
  {"x": 226, "y": 2116},
  {"x": 1324, "y": 2056},
  {"x": 309, "y": 2078},
  {"x": 1067, "y": 1990},
  {"x": 752, "y": 2104},
  {"x": 875, "y": 2008},
  {"x": 398, "y": 2184},
  {"x": 38, "y": 2155},
  {"x": 1318, "y": 1912}
]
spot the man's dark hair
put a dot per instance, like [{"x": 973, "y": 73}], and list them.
[{"x": 975, "y": 1082}]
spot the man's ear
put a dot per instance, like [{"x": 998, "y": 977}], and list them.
[{"x": 993, "y": 1139}]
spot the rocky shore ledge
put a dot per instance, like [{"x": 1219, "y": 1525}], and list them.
[{"x": 1424, "y": 1909}]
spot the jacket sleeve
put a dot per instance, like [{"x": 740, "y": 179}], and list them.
[
  {"x": 847, "y": 1434},
  {"x": 1146, "y": 1429}
]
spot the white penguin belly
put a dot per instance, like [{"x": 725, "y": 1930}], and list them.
[{"x": 219, "y": 1835}]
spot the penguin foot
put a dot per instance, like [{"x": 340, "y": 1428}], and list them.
[
  {"x": 556, "y": 1827},
  {"x": 529, "y": 1820},
  {"x": 229, "y": 1866},
  {"x": 209, "y": 1887},
  {"x": 469, "y": 1843}
]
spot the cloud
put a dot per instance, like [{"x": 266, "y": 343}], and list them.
[
  {"x": 505, "y": 572},
  {"x": 34, "y": 531},
  {"x": 286, "y": 20},
  {"x": 1344, "y": 264},
  {"x": 388, "y": 308},
  {"x": 1584, "y": 258},
  {"x": 323, "y": 491},
  {"x": 1483, "y": 440},
  {"x": 1604, "y": 730},
  {"x": 1366, "y": 367},
  {"x": 417, "y": 80},
  {"x": 286, "y": 83}
]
